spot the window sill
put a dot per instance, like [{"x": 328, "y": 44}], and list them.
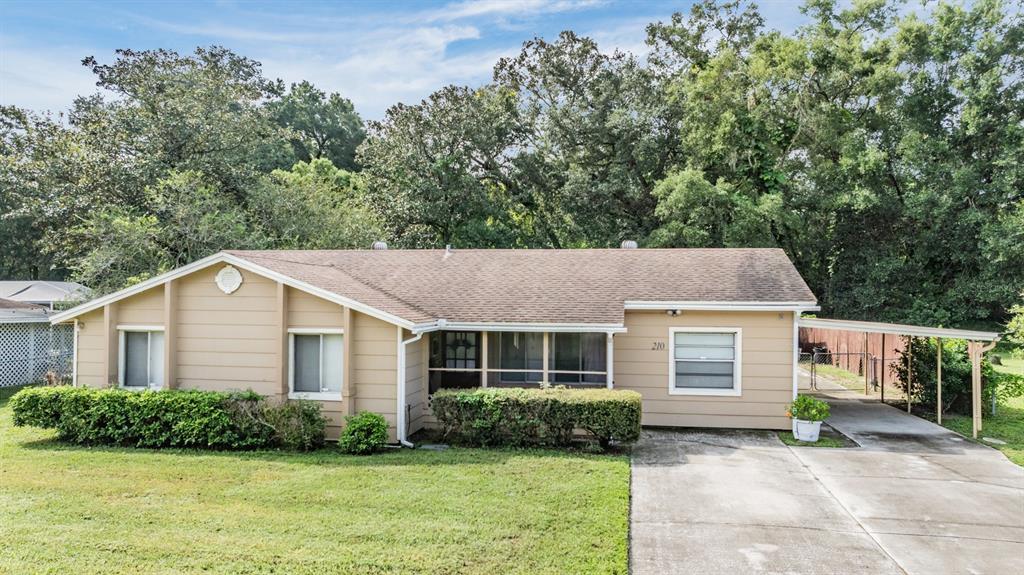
[
  {"x": 140, "y": 387},
  {"x": 706, "y": 391},
  {"x": 316, "y": 396}
]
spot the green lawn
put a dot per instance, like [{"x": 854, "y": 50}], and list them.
[
  {"x": 66, "y": 509},
  {"x": 823, "y": 441},
  {"x": 1007, "y": 425}
]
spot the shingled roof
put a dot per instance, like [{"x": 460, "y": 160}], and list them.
[{"x": 588, "y": 286}]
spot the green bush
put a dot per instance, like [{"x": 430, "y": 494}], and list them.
[
  {"x": 956, "y": 375},
  {"x": 364, "y": 433},
  {"x": 169, "y": 418},
  {"x": 298, "y": 425},
  {"x": 808, "y": 408},
  {"x": 524, "y": 417}
]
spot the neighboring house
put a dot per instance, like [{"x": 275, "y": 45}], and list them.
[
  {"x": 44, "y": 293},
  {"x": 29, "y": 346},
  {"x": 707, "y": 336}
]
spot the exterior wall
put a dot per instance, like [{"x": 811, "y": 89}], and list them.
[
  {"x": 766, "y": 365},
  {"x": 91, "y": 350},
  {"x": 374, "y": 368},
  {"x": 227, "y": 342},
  {"x": 239, "y": 341},
  {"x": 416, "y": 383},
  {"x": 309, "y": 311}
]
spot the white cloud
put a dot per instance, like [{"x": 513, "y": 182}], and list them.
[
  {"x": 42, "y": 79},
  {"x": 505, "y": 8}
]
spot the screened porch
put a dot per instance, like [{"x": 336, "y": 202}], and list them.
[{"x": 467, "y": 359}]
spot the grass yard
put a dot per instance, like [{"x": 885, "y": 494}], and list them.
[
  {"x": 823, "y": 441},
  {"x": 66, "y": 509},
  {"x": 845, "y": 378},
  {"x": 1007, "y": 425}
]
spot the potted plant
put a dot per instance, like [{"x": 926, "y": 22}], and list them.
[{"x": 807, "y": 413}]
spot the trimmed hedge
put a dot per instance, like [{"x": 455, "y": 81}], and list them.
[
  {"x": 169, "y": 418},
  {"x": 522, "y": 417}
]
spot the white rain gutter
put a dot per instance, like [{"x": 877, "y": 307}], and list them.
[
  {"x": 403, "y": 425},
  {"x": 794, "y": 306}
]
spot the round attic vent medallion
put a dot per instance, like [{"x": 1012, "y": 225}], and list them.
[{"x": 229, "y": 279}]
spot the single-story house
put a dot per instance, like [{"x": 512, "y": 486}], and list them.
[{"x": 707, "y": 336}]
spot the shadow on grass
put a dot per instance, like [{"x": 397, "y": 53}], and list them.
[{"x": 331, "y": 456}]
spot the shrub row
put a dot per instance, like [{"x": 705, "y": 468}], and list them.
[
  {"x": 169, "y": 418},
  {"x": 522, "y": 417}
]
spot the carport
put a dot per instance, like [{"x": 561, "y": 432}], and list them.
[{"x": 978, "y": 343}]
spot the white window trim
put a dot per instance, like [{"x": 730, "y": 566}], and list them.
[
  {"x": 737, "y": 374},
  {"x": 322, "y": 395},
  {"x": 146, "y": 329}
]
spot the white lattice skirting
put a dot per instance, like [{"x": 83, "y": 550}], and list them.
[{"x": 29, "y": 350}]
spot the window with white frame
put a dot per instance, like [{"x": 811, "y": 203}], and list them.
[
  {"x": 316, "y": 364},
  {"x": 705, "y": 361},
  {"x": 141, "y": 357}
]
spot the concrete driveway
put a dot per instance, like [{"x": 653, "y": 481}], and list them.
[{"x": 914, "y": 498}]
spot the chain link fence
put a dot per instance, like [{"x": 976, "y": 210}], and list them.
[{"x": 28, "y": 351}]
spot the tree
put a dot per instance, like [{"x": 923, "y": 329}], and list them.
[
  {"x": 435, "y": 171},
  {"x": 321, "y": 125},
  {"x": 314, "y": 206},
  {"x": 186, "y": 218}
]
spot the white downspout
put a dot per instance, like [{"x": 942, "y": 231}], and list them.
[
  {"x": 796, "y": 353},
  {"x": 610, "y": 362},
  {"x": 403, "y": 425}
]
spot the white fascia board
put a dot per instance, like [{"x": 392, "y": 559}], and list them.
[
  {"x": 796, "y": 306},
  {"x": 137, "y": 288},
  {"x": 222, "y": 257},
  {"x": 897, "y": 329},
  {"x": 522, "y": 327}
]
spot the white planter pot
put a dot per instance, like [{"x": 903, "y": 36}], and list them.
[{"x": 806, "y": 430}]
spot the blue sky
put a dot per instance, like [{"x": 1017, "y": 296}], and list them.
[{"x": 375, "y": 53}]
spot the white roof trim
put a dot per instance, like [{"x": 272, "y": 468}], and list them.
[
  {"x": 222, "y": 257},
  {"x": 897, "y": 329},
  {"x": 521, "y": 327},
  {"x": 723, "y": 305}
]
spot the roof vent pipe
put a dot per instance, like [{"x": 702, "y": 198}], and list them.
[
  {"x": 379, "y": 245},
  {"x": 628, "y": 244}
]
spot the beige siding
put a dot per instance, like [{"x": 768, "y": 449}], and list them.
[
  {"x": 91, "y": 350},
  {"x": 309, "y": 311},
  {"x": 227, "y": 342},
  {"x": 415, "y": 383},
  {"x": 374, "y": 369},
  {"x": 766, "y": 365},
  {"x": 146, "y": 308}
]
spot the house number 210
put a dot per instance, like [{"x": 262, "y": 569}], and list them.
[{"x": 658, "y": 346}]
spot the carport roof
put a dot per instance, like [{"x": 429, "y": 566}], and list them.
[{"x": 898, "y": 329}]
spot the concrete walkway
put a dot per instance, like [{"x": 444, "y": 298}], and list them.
[{"x": 914, "y": 498}]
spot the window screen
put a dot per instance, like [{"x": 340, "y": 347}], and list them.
[
  {"x": 578, "y": 352},
  {"x": 306, "y": 370},
  {"x": 136, "y": 359},
  {"x": 522, "y": 351},
  {"x": 704, "y": 360},
  {"x": 333, "y": 363}
]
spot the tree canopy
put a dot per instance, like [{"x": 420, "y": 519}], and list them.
[{"x": 880, "y": 145}]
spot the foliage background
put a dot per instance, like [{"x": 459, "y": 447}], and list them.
[{"x": 880, "y": 145}]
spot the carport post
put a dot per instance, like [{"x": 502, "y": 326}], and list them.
[
  {"x": 975, "y": 349},
  {"x": 938, "y": 381}
]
